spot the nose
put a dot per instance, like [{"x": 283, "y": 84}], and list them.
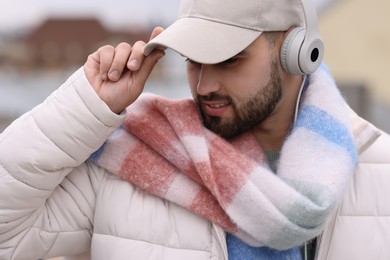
[{"x": 208, "y": 81}]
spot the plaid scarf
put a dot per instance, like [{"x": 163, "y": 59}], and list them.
[{"x": 163, "y": 148}]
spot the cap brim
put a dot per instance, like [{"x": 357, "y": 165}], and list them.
[{"x": 203, "y": 41}]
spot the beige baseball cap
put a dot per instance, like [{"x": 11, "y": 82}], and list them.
[{"x": 212, "y": 31}]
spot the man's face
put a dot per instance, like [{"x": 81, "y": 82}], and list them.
[{"x": 236, "y": 95}]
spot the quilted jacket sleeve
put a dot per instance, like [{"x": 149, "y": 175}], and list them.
[{"x": 46, "y": 188}]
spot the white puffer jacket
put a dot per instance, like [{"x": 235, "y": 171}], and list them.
[
  {"x": 52, "y": 203},
  {"x": 360, "y": 228}
]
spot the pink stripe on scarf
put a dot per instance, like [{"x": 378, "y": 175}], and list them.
[{"x": 173, "y": 137}]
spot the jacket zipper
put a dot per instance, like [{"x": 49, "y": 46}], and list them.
[
  {"x": 323, "y": 241},
  {"x": 222, "y": 240}
]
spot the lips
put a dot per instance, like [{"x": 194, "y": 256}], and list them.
[{"x": 215, "y": 108}]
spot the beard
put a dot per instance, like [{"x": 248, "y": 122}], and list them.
[{"x": 247, "y": 114}]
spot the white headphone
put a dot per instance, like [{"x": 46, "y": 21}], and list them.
[{"x": 302, "y": 50}]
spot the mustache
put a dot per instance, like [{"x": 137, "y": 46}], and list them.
[{"x": 214, "y": 97}]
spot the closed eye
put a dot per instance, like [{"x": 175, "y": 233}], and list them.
[
  {"x": 235, "y": 59},
  {"x": 231, "y": 61}
]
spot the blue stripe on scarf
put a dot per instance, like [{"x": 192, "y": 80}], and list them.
[
  {"x": 238, "y": 250},
  {"x": 96, "y": 155},
  {"x": 116, "y": 134},
  {"x": 322, "y": 123}
]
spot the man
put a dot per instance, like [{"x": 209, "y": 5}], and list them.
[{"x": 123, "y": 175}]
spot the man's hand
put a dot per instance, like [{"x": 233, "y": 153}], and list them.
[{"x": 118, "y": 75}]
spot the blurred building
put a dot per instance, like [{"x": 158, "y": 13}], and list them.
[
  {"x": 58, "y": 42},
  {"x": 62, "y": 42}
]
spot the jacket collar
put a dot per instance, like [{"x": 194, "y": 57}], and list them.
[{"x": 364, "y": 132}]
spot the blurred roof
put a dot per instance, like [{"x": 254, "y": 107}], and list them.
[{"x": 64, "y": 30}]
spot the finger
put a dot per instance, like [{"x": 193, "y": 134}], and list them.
[
  {"x": 121, "y": 56},
  {"x": 137, "y": 56},
  {"x": 105, "y": 56},
  {"x": 147, "y": 66},
  {"x": 156, "y": 31}
]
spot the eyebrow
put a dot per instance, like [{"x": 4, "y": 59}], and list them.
[{"x": 244, "y": 52}]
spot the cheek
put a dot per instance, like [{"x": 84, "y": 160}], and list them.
[
  {"x": 260, "y": 71},
  {"x": 253, "y": 76},
  {"x": 247, "y": 84},
  {"x": 258, "y": 75}
]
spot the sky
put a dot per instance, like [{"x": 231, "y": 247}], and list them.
[{"x": 18, "y": 14}]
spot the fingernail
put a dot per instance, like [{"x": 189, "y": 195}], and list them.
[
  {"x": 133, "y": 64},
  {"x": 114, "y": 75}
]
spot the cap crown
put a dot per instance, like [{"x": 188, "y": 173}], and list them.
[{"x": 257, "y": 15}]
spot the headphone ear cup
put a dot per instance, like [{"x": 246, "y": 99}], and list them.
[
  {"x": 290, "y": 50},
  {"x": 311, "y": 54}
]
